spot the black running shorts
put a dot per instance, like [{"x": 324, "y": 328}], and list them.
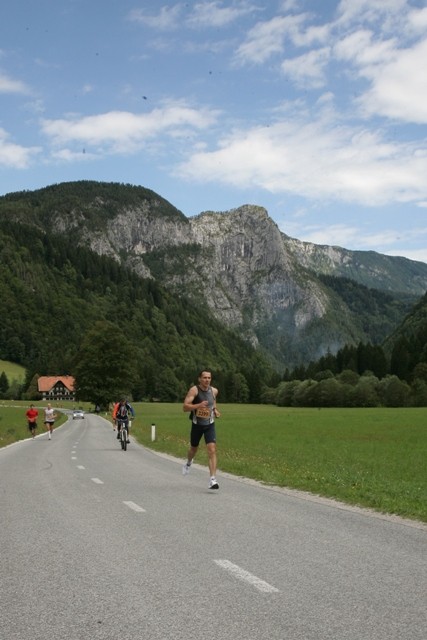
[{"x": 198, "y": 431}]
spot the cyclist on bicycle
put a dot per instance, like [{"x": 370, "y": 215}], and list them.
[{"x": 121, "y": 412}]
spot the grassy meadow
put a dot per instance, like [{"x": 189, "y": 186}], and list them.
[
  {"x": 13, "y": 371},
  {"x": 368, "y": 457}
]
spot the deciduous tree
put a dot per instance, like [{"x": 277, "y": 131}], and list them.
[{"x": 105, "y": 367}]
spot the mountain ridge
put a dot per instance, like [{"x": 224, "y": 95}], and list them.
[{"x": 236, "y": 265}]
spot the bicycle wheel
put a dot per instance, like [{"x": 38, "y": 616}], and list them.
[{"x": 125, "y": 439}]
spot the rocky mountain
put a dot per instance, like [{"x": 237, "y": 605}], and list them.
[
  {"x": 236, "y": 265},
  {"x": 372, "y": 269}
]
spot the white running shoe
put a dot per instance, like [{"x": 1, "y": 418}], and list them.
[
  {"x": 186, "y": 469},
  {"x": 213, "y": 484}
]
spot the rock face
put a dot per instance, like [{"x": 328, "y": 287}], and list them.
[
  {"x": 236, "y": 265},
  {"x": 257, "y": 285},
  {"x": 250, "y": 272}
]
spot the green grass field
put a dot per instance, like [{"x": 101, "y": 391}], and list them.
[
  {"x": 13, "y": 371},
  {"x": 368, "y": 457}
]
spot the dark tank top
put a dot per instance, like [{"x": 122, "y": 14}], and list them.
[{"x": 204, "y": 417}]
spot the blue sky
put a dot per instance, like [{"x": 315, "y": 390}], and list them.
[{"x": 314, "y": 109}]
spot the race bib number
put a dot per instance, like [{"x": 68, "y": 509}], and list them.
[{"x": 203, "y": 413}]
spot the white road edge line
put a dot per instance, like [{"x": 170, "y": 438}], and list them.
[
  {"x": 241, "y": 574},
  {"x": 97, "y": 481},
  {"x": 133, "y": 506}
]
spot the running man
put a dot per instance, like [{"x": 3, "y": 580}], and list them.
[
  {"x": 201, "y": 401},
  {"x": 32, "y": 414}
]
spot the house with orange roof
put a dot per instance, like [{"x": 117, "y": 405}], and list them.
[{"x": 56, "y": 387}]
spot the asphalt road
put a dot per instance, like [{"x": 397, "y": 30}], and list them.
[{"x": 97, "y": 543}]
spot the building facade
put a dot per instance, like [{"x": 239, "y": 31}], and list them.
[{"x": 56, "y": 387}]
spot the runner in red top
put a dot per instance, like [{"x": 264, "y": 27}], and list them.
[{"x": 32, "y": 414}]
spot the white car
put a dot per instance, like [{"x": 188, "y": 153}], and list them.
[{"x": 78, "y": 414}]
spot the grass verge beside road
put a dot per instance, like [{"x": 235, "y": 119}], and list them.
[
  {"x": 13, "y": 423},
  {"x": 368, "y": 457}
]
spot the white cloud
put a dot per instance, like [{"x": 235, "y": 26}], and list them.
[
  {"x": 9, "y": 85},
  {"x": 14, "y": 155},
  {"x": 364, "y": 50},
  {"x": 208, "y": 14},
  {"x": 166, "y": 20},
  {"x": 304, "y": 36},
  {"x": 399, "y": 87},
  {"x": 266, "y": 39},
  {"x": 380, "y": 12},
  {"x": 417, "y": 20},
  {"x": 318, "y": 159},
  {"x": 125, "y": 132},
  {"x": 270, "y": 37},
  {"x": 376, "y": 40},
  {"x": 213, "y": 14},
  {"x": 395, "y": 76},
  {"x": 308, "y": 70},
  {"x": 288, "y": 5}
]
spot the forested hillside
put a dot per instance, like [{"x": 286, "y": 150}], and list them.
[
  {"x": 392, "y": 374},
  {"x": 376, "y": 313},
  {"x": 406, "y": 347},
  {"x": 48, "y": 205},
  {"x": 53, "y": 292}
]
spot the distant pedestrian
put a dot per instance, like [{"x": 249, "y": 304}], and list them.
[
  {"x": 49, "y": 419},
  {"x": 201, "y": 401},
  {"x": 32, "y": 414}
]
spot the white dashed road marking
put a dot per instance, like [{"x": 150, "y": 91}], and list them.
[
  {"x": 133, "y": 506},
  {"x": 97, "y": 481},
  {"x": 241, "y": 574},
  {"x": 80, "y": 466}
]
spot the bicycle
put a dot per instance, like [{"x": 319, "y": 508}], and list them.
[{"x": 123, "y": 427}]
